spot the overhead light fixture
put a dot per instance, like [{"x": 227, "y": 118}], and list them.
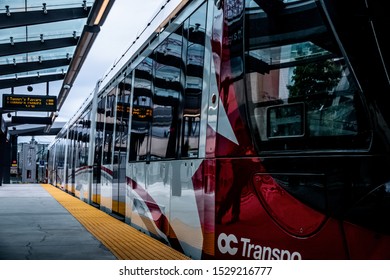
[
  {"x": 85, "y": 5},
  {"x": 44, "y": 8},
  {"x": 11, "y": 39},
  {"x": 101, "y": 12},
  {"x": 7, "y": 11}
]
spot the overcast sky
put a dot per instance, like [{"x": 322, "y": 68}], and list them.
[{"x": 125, "y": 21}]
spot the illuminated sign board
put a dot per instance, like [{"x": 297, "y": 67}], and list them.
[
  {"x": 123, "y": 107},
  {"x": 17, "y": 102},
  {"x": 142, "y": 112}
]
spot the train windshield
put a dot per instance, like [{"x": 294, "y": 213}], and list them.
[{"x": 300, "y": 92}]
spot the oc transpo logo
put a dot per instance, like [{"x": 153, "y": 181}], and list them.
[
  {"x": 230, "y": 244},
  {"x": 225, "y": 244}
]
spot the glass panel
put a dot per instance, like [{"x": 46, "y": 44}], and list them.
[
  {"x": 167, "y": 89},
  {"x": 286, "y": 120},
  {"x": 301, "y": 90},
  {"x": 120, "y": 147},
  {"x": 122, "y": 119},
  {"x": 142, "y": 111},
  {"x": 290, "y": 53},
  {"x": 46, "y": 71},
  {"x": 72, "y": 152},
  {"x": 194, "y": 82},
  {"x": 97, "y": 162},
  {"x": 18, "y": 34},
  {"x": 54, "y": 30},
  {"x": 324, "y": 87},
  {"x": 34, "y": 56},
  {"x": 77, "y": 138},
  {"x": 109, "y": 127}
]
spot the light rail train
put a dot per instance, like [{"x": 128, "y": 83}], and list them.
[{"x": 244, "y": 129}]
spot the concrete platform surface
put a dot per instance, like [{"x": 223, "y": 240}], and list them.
[{"x": 34, "y": 226}]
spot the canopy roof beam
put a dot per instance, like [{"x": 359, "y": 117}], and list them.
[
  {"x": 18, "y": 19},
  {"x": 34, "y": 46},
  {"x": 33, "y": 66},
  {"x": 25, "y": 81}
]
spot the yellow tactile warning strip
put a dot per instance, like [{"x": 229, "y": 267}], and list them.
[{"x": 125, "y": 242}]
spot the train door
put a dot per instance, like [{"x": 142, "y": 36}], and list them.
[
  {"x": 139, "y": 139},
  {"x": 187, "y": 215},
  {"x": 120, "y": 145},
  {"x": 78, "y": 162},
  {"x": 107, "y": 175},
  {"x": 82, "y": 185},
  {"x": 71, "y": 187}
]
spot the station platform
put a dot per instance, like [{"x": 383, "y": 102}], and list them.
[{"x": 41, "y": 222}]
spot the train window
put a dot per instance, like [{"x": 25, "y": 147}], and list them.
[
  {"x": 97, "y": 160},
  {"x": 300, "y": 90},
  {"x": 109, "y": 127},
  {"x": 285, "y": 120},
  {"x": 195, "y": 30},
  {"x": 80, "y": 149},
  {"x": 84, "y": 140},
  {"x": 166, "y": 103},
  {"x": 142, "y": 111},
  {"x": 122, "y": 118},
  {"x": 99, "y": 136},
  {"x": 78, "y": 134},
  {"x": 166, "y": 98},
  {"x": 73, "y": 152}
]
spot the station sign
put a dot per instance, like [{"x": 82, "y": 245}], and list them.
[{"x": 18, "y": 102}]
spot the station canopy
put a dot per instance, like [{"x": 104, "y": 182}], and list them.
[{"x": 42, "y": 49}]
